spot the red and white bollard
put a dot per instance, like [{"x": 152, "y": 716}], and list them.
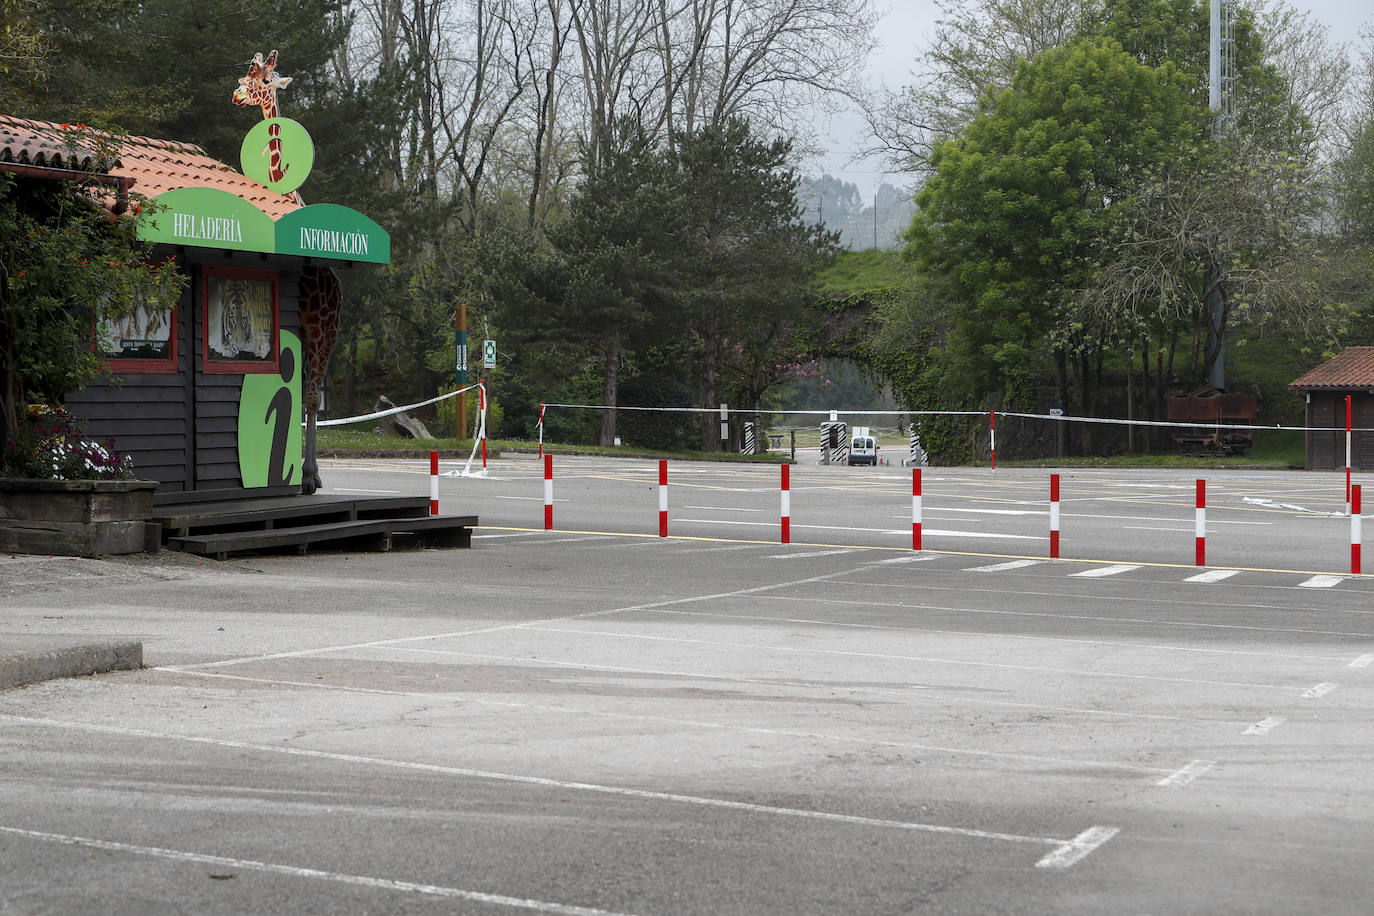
[
  {"x": 992, "y": 438},
  {"x": 1200, "y": 522},
  {"x": 433, "y": 483},
  {"x": 1355, "y": 530},
  {"x": 662, "y": 497},
  {"x": 482, "y": 405},
  {"x": 1348, "y": 508},
  {"x": 786, "y": 505},
  {"x": 1054, "y": 516},
  {"x": 915, "y": 508},
  {"x": 548, "y": 492},
  {"x": 541, "y": 430}
]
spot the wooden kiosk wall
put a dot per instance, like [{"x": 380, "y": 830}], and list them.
[{"x": 181, "y": 426}]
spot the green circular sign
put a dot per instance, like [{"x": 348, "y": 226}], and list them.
[{"x": 278, "y": 153}]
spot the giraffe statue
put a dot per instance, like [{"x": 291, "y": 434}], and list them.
[{"x": 319, "y": 290}]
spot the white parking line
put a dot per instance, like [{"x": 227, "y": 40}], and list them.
[
  {"x": 905, "y": 531},
  {"x": 1078, "y": 848},
  {"x": 295, "y": 871},
  {"x": 814, "y": 553},
  {"x": 1321, "y": 582},
  {"x": 1264, "y": 726},
  {"x": 1318, "y": 691},
  {"x": 1002, "y": 567},
  {"x": 1101, "y": 571},
  {"x": 809, "y": 736},
  {"x": 1186, "y": 774},
  {"x": 726, "y": 509},
  {"x": 1212, "y": 575},
  {"x": 1363, "y": 661},
  {"x": 1066, "y": 853},
  {"x": 890, "y": 656}
]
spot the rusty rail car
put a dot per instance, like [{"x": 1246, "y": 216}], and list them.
[{"x": 1213, "y": 408}]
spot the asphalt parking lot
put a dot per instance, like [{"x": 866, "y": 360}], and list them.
[{"x": 596, "y": 719}]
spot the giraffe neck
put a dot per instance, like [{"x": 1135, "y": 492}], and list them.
[{"x": 275, "y": 172}]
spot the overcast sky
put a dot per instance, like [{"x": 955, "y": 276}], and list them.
[{"x": 904, "y": 33}]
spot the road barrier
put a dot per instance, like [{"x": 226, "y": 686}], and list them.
[
  {"x": 1355, "y": 529},
  {"x": 786, "y": 504},
  {"x": 915, "y": 508},
  {"x": 548, "y": 492},
  {"x": 433, "y": 483},
  {"x": 1054, "y": 516},
  {"x": 662, "y": 498},
  {"x": 1200, "y": 523}
]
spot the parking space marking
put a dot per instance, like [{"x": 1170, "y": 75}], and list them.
[
  {"x": 925, "y": 587},
  {"x": 1077, "y": 849},
  {"x": 296, "y": 871},
  {"x": 1363, "y": 661},
  {"x": 1212, "y": 575},
  {"x": 1066, "y": 853},
  {"x": 1002, "y": 567},
  {"x": 809, "y": 736},
  {"x": 813, "y": 553},
  {"x": 1318, "y": 691},
  {"x": 917, "y": 628},
  {"x": 1264, "y": 726},
  {"x": 1102, "y": 571},
  {"x": 1186, "y": 774},
  {"x": 1321, "y": 582},
  {"x": 928, "y": 659}
]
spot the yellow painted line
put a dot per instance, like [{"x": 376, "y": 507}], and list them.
[{"x": 942, "y": 553}]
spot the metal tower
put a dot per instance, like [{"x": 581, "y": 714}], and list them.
[{"x": 1220, "y": 83}]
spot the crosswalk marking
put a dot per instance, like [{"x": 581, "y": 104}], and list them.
[
  {"x": 1000, "y": 567},
  {"x": 1212, "y": 575},
  {"x": 1101, "y": 571},
  {"x": 1320, "y": 582}
]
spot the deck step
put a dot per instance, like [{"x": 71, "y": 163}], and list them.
[
  {"x": 277, "y": 512},
  {"x": 373, "y": 533}
]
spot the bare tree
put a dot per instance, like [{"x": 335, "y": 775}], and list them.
[{"x": 977, "y": 47}]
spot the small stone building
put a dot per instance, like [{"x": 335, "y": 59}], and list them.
[{"x": 1325, "y": 388}]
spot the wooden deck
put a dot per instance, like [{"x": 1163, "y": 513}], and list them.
[{"x": 219, "y": 529}]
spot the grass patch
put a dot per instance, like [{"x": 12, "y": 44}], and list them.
[
  {"x": 855, "y": 271},
  {"x": 1272, "y": 449},
  {"x": 360, "y": 439}
]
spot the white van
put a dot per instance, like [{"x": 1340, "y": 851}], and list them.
[{"x": 863, "y": 448}]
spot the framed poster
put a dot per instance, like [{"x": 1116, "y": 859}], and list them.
[
  {"x": 145, "y": 340},
  {"x": 240, "y": 327}
]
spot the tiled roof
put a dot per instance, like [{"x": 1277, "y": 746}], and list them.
[
  {"x": 41, "y": 143},
  {"x": 1352, "y": 368},
  {"x": 154, "y": 165}
]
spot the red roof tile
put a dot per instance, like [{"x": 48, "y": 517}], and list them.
[
  {"x": 155, "y": 165},
  {"x": 43, "y": 144},
  {"x": 1352, "y": 368}
]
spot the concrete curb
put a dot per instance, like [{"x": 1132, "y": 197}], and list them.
[{"x": 69, "y": 661}]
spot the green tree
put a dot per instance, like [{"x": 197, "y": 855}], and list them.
[
  {"x": 749, "y": 260},
  {"x": 606, "y": 286},
  {"x": 64, "y": 265},
  {"x": 1008, "y": 225}
]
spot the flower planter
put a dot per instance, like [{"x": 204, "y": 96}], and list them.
[{"x": 83, "y": 518}]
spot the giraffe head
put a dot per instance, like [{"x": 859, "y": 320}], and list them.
[{"x": 260, "y": 86}]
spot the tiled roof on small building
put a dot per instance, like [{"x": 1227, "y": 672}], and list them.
[
  {"x": 154, "y": 165},
  {"x": 43, "y": 144},
  {"x": 1351, "y": 369}
]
